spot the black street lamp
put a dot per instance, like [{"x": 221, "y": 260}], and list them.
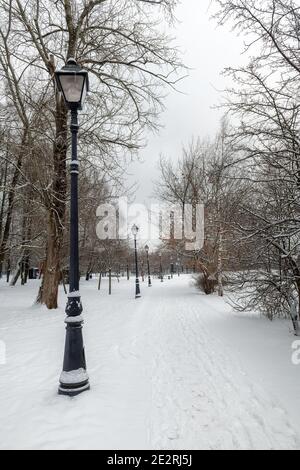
[
  {"x": 134, "y": 231},
  {"x": 172, "y": 267},
  {"x": 148, "y": 264},
  {"x": 142, "y": 271},
  {"x": 72, "y": 81},
  {"x": 161, "y": 269}
]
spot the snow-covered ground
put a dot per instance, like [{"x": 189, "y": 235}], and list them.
[{"x": 172, "y": 370}]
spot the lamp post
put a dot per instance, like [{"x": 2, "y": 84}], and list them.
[
  {"x": 72, "y": 81},
  {"x": 142, "y": 271},
  {"x": 172, "y": 267},
  {"x": 148, "y": 264},
  {"x": 134, "y": 231},
  {"x": 160, "y": 268}
]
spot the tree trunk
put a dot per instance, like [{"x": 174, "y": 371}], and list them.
[
  {"x": 16, "y": 277},
  {"x": 3, "y": 202},
  {"x": 48, "y": 293},
  {"x": 18, "y": 271},
  {"x": 26, "y": 238},
  {"x": 10, "y": 200},
  {"x": 8, "y": 269},
  {"x": 220, "y": 265},
  {"x": 109, "y": 281}
]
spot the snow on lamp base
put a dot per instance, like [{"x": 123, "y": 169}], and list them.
[
  {"x": 74, "y": 382},
  {"x": 74, "y": 378}
]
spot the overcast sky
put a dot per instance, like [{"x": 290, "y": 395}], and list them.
[{"x": 208, "y": 49}]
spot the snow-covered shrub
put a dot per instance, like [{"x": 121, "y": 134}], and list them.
[{"x": 206, "y": 284}]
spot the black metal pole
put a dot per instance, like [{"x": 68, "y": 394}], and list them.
[
  {"x": 137, "y": 281},
  {"x": 142, "y": 272},
  {"x": 74, "y": 379},
  {"x": 149, "y": 274}
]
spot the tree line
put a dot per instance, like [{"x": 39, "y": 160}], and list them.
[
  {"x": 130, "y": 59},
  {"x": 248, "y": 177}
]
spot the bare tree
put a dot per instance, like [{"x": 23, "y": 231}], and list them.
[
  {"x": 203, "y": 176},
  {"x": 130, "y": 60},
  {"x": 267, "y": 146}
]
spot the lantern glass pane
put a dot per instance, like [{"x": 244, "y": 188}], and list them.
[
  {"x": 72, "y": 86},
  {"x": 84, "y": 92},
  {"x": 134, "y": 230}
]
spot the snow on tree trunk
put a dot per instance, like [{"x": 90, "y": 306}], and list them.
[
  {"x": 220, "y": 266},
  {"x": 17, "y": 273},
  {"x": 293, "y": 302},
  {"x": 52, "y": 273}
]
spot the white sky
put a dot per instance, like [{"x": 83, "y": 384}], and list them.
[{"x": 208, "y": 49}]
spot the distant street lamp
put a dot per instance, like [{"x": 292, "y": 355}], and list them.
[
  {"x": 142, "y": 271},
  {"x": 134, "y": 231},
  {"x": 161, "y": 269},
  {"x": 148, "y": 264},
  {"x": 72, "y": 81},
  {"x": 172, "y": 267}
]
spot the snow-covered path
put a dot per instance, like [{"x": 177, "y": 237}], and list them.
[{"x": 173, "y": 370}]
